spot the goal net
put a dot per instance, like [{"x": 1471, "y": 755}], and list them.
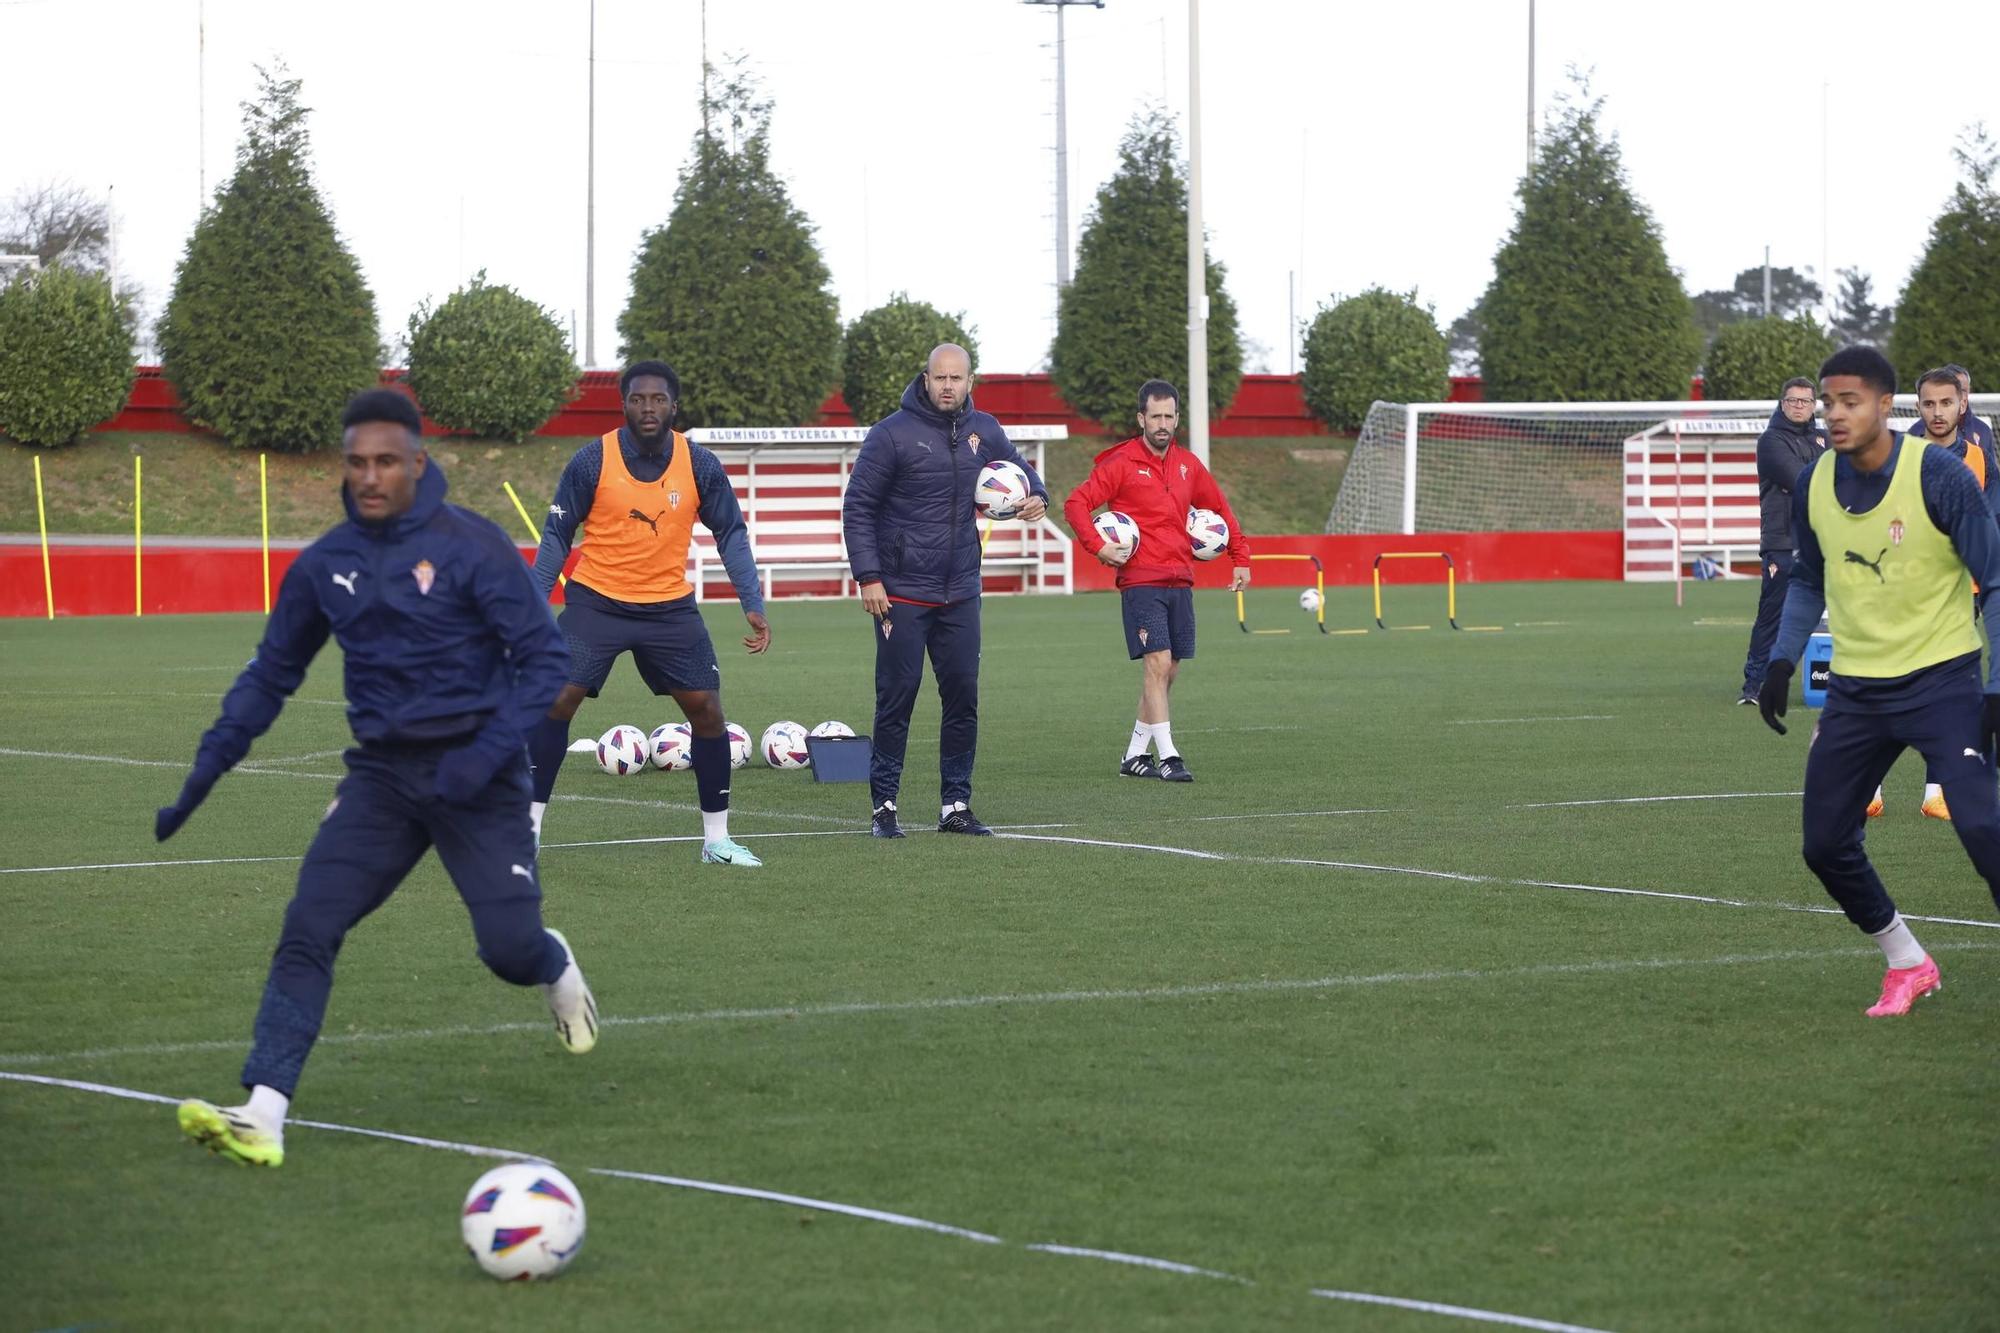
[{"x": 1549, "y": 467}]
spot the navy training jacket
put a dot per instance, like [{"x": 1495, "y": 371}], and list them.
[
  {"x": 908, "y": 516},
  {"x": 443, "y": 635}
]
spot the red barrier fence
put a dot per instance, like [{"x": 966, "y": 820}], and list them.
[
  {"x": 95, "y": 579},
  {"x": 1265, "y": 405}
]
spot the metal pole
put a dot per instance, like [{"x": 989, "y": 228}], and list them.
[
  {"x": 590, "y": 208},
  {"x": 1531, "y": 85},
  {"x": 1825, "y": 273},
  {"x": 1291, "y": 325},
  {"x": 1197, "y": 394},
  {"x": 1767, "y": 282},
  {"x": 1062, "y": 161},
  {"x": 201, "y": 101}
]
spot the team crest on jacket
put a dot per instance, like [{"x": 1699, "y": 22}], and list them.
[
  {"x": 1895, "y": 532},
  {"x": 972, "y": 443},
  {"x": 1183, "y": 471},
  {"x": 425, "y": 574},
  {"x": 673, "y": 500}
]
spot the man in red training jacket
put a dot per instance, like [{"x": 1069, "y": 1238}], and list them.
[{"x": 1155, "y": 483}]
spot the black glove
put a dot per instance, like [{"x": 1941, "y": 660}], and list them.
[
  {"x": 1775, "y": 693},
  {"x": 1989, "y": 725},
  {"x": 463, "y": 773},
  {"x": 169, "y": 818}
]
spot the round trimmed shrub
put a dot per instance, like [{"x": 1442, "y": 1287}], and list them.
[
  {"x": 887, "y": 346},
  {"x": 1378, "y": 345},
  {"x": 65, "y": 355},
  {"x": 489, "y": 362},
  {"x": 1752, "y": 358}
]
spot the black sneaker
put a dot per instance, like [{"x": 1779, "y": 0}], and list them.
[
  {"x": 964, "y": 821},
  {"x": 884, "y": 825},
  {"x": 1138, "y": 766},
  {"x": 1174, "y": 769}
]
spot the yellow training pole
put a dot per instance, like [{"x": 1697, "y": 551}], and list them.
[
  {"x": 529, "y": 523},
  {"x": 42, "y": 518},
  {"x": 985, "y": 536},
  {"x": 138, "y": 567},
  {"x": 264, "y": 510}
]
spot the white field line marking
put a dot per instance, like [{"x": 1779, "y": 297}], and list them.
[
  {"x": 802, "y": 1201},
  {"x": 170, "y": 694},
  {"x": 1455, "y": 1311},
  {"x": 1538, "y": 624},
  {"x": 1652, "y": 800},
  {"x": 1420, "y": 873},
  {"x": 1211, "y": 731},
  {"x": 152, "y": 763},
  {"x": 683, "y": 806},
  {"x": 1497, "y": 721},
  {"x": 1137, "y": 1260},
  {"x": 855, "y": 1211},
  {"x": 948, "y": 1003},
  {"x": 1278, "y": 814},
  {"x": 305, "y": 758}
]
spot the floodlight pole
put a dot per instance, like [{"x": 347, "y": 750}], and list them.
[
  {"x": 590, "y": 209},
  {"x": 1062, "y": 139},
  {"x": 1195, "y": 408},
  {"x": 1531, "y": 85},
  {"x": 201, "y": 103}
]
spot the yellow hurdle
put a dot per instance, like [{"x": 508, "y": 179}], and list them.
[
  {"x": 1450, "y": 588},
  {"x": 528, "y": 523},
  {"x": 42, "y": 519},
  {"x": 1319, "y": 582}
]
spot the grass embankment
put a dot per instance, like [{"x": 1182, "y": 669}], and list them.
[{"x": 199, "y": 487}]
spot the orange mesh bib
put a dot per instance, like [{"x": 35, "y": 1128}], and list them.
[{"x": 635, "y": 538}]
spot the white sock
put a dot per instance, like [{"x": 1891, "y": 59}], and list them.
[
  {"x": 536, "y": 809},
  {"x": 1142, "y": 736},
  {"x": 1932, "y": 789},
  {"x": 715, "y": 825},
  {"x": 1898, "y": 945},
  {"x": 269, "y": 1105},
  {"x": 945, "y": 811},
  {"x": 1163, "y": 740}
]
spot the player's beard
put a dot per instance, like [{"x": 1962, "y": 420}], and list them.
[{"x": 654, "y": 442}]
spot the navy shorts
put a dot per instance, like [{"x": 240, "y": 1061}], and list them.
[
  {"x": 1157, "y": 618},
  {"x": 669, "y": 644}
]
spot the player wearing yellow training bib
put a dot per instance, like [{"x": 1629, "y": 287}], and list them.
[{"x": 1892, "y": 534}]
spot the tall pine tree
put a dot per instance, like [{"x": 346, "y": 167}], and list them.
[
  {"x": 1950, "y": 310},
  {"x": 1583, "y": 303},
  {"x": 1123, "y": 320},
  {"x": 270, "y": 327},
  {"x": 732, "y": 291}
]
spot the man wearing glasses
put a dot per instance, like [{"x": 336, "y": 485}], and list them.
[{"x": 1791, "y": 440}]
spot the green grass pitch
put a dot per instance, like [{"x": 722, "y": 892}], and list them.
[{"x": 1295, "y": 1060}]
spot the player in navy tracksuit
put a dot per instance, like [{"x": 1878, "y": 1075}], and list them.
[
  {"x": 450, "y": 659},
  {"x": 913, "y": 541}
]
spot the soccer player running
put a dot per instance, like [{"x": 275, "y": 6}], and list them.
[
  {"x": 1912, "y": 533},
  {"x": 913, "y": 541},
  {"x": 637, "y": 493},
  {"x": 450, "y": 659},
  {"x": 1155, "y": 482}
]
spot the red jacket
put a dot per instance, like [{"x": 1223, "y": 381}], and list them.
[{"x": 1157, "y": 493}]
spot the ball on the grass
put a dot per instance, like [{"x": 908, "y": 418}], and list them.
[
  {"x": 1309, "y": 600},
  {"x": 739, "y": 745},
  {"x": 523, "y": 1221},
  {"x": 1117, "y": 529},
  {"x": 673, "y": 746},
  {"x": 1207, "y": 533},
  {"x": 784, "y": 745},
  {"x": 1001, "y": 490},
  {"x": 832, "y": 728},
  {"x": 622, "y": 751}
]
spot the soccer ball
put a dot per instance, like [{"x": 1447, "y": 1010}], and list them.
[
  {"x": 833, "y": 729},
  {"x": 523, "y": 1221},
  {"x": 1309, "y": 601},
  {"x": 739, "y": 745},
  {"x": 673, "y": 746},
  {"x": 1117, "y": 529},
  {"x": 785, "y": 745},
  {"x": 1208, "y": 533},
  {"x": 1001, "y": 490},
  {"x": 622, "y": 751}
]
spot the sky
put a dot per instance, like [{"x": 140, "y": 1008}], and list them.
[{"x": 1345, "y": 144}]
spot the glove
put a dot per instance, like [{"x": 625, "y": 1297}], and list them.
[
  {"x": 1989, "y": 725},
  {"x": 1775, "y": 694},
  {"x": 169, "y": 818},
  {"x": 463, "y": 773}
]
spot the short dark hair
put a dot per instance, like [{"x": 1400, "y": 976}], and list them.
[
  {"x": 1942, "y": 375},
  {"x": 1152, "y": 389},
  {"x": 1798, "y": 382},
  {"x": 1868, "y": 363},
  {"x": 1957, "y": 371},
  {"x": 382, "y": 405},
  {"x": 659, "y": 368}
]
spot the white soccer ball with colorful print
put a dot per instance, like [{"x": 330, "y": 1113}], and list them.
[
  {"x": 784, "y": 745},
  {"x": 523, "y": 1222},
  {"x": 1001, "y": 490},
  {"x": 739, "y": 745},
  {"x": 831, "y": 728},
  {"x": 1207, "y": 533},
  {"x": 622, "y": 751},
  {"x": 1117, "y": 529},
  {"x": 672, "y": 746}
]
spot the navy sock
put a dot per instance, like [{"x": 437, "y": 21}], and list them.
[
  {"x": 547, "y": 744},
  {"x": 711, "y": 771}
]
